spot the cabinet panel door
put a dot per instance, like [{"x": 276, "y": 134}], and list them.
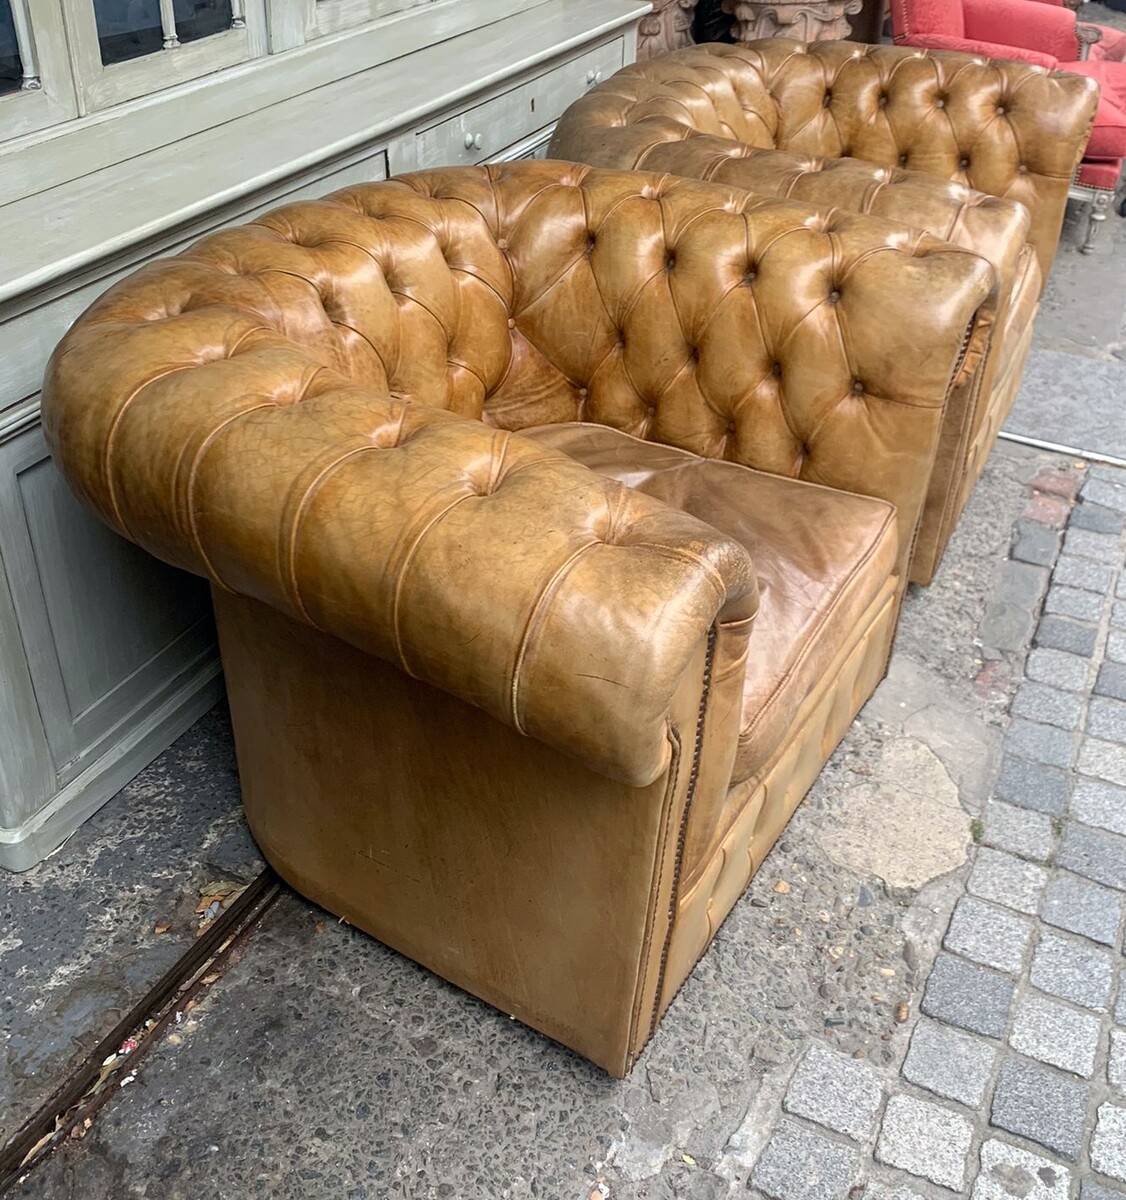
[{"x": 104, "y": 625}]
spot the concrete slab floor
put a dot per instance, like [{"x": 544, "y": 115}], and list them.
[{"x": 78, "y": 946}]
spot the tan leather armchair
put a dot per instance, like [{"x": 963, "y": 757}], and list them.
[
  {"x": 979, "y": 153},
  {"x": 493, "y": 472}
]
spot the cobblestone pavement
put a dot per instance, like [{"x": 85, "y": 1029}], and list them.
[{"x": 1014, "y": 1081}]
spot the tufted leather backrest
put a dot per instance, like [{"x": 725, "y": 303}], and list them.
[
  {"x": 235, "y": 409},
  {"x": 1007, "y": 129}
]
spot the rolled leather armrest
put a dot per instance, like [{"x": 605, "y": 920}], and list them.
[
  {"x": 510, "y": 576},
  {"x": 1025, "y": 24},
  {"x": 982, "y": 47}
]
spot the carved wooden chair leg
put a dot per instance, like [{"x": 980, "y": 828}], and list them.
[{"x": 1100, "y": 203}]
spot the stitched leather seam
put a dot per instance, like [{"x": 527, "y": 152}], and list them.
[
  {"x": 682, "y": 833},
  {"x": 535, "y": 618},
  {"x": 189, "y": 490},
  {"x": 289, "y": 579},
  {"x": 400, "y": 580},
  {"x": 673, "y": 736}
]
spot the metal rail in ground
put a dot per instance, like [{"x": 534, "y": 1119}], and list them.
[
  {"x": 100, "y": 1074},
  {"x": 1095, "y": 456}
]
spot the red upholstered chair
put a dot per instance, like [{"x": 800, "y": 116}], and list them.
[{"x": 1045, "y": 33}]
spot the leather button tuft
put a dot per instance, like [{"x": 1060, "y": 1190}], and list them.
[
  {"x": 511, "y": 322},
  {"x": 502, "y": 243},
  {"x": 776, "y": 370},
  {"x": 1001, "y": 110},
  {"x": 694, "y": 353},
  {"x": 940, "y": 102},
  {"x": 730, "y": 428},
  {"x": 827, "y": 99},
  {"x": 903, "y": 160},
  {"x": 963, "y": 163},
  {"x": 750, "y": 274},
  {"x": 883, "y": 100},
  {"x": 834, "y": 296},
  {"x": 583, "y": 393},
  {"x": 670, "y": 262},
  {"x": 857, "y": 387},
  {"x": 1023, "y": 168}
]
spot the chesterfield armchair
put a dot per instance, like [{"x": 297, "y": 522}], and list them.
[
  {"x": 1046, "y": 34},
  {"x": 556, "y": 521},
  {"x": 978, "y": 153}
]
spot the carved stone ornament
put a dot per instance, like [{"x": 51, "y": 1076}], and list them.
[
  {"x": 667, "y": 27},
  {"x": 804, "y": 20}
]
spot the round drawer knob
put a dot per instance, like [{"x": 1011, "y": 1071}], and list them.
[{"x": 474, "y": 141}]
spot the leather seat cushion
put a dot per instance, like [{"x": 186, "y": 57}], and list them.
[{"x": 822, "y": 557}]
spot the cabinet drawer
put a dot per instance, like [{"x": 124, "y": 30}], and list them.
[{"x": 484, "y": 131}]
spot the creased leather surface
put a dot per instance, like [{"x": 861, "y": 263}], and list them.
[
  {"x": 1007, "y": 129},
  {"x": 320, "y": 412},
  {"x": 773, "y": 117},
  {"x": 821, "y": 557}
]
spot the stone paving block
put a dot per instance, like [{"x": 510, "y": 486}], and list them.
[
  {"x": 1084, "y": 574},
  {"x": 1097, "y": 517},
  {"x": 1080, "y": 906},
  {"x": 1073, "y": 602},
  {"x": 1017, "y": 830},
  {"x": 1072, "y": 970},
  {"x": 1048, "y": 705},
  {"x": 968, "y": 996},
  {"x": 1101, "y": 804},
  {"x": 1057, "y": 668},
  {"x": 1116, "y": 1061},
  {"x": 1105, "y": 760},
  {"x": 1111, "y": 680},
  {"x": 1118, "y": 612},
  {"x": 1094, "y": 853},
  {"x": 989, "y": 935},
  {"x": 1056, "y": 482},
  {"x": 1006, "y": 879},
  {"x": 877, "y": 1191},
  {"x": 1120, "y": 1007},
  {"x": 1047, "y": 510},
  {"x": 799, "y": 1164},
  {"x": 1108, "y": 1146},
  {"x": 925, "y": 1139},
  {"x": 1035, "y": 543},
  {"x": 1116, "y": 645},
  {"x": 1039, "y": 743},
  {"x": 1095, "y": 1191},
  {"x": 1102, "y": 547},
  {"x": 1008, "y": 621},
  {"x": 1106, "y": 718},
  {"x": 1120, "y": 590},
  {"x": 1008, "y": 1172},
  {"x": 949, "y": 1063},
  {"x": 835, "y": 1090},
  {"x": 1041, "y": 1105},
  {"x": 1105, "y": 493},
  {"x": 1056, "y": 1034},
  {"x": 1065, "y": 633},
  {"x": 1032, "y": 784}
]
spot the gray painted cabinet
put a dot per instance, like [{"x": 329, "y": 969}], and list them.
[{"x": 106, "y": 655}]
